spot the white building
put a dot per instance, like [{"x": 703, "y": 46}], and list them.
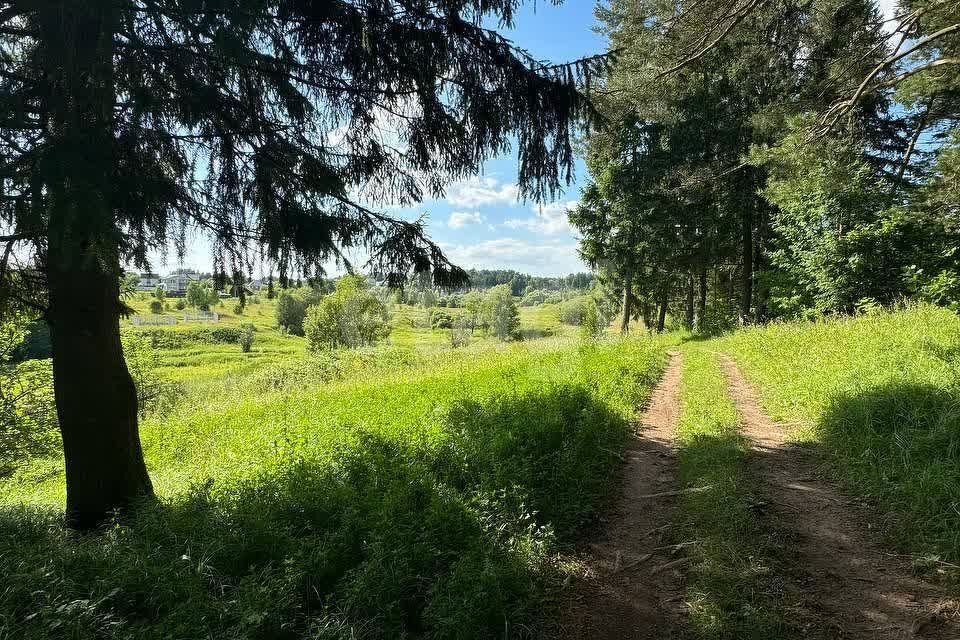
[
  {"x": 149, "y": 282},
  {"x": 176, "y": 283}
]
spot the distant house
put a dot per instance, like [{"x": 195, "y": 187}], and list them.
[
  {"x": 149, "y": 282},
  {"x": 176, "y": 283}
]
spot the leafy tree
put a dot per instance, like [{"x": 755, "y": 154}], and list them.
[
  {"x": 202, "y": 295},
  {"x": 292, "y": 308},
  {"x": 428, "y": 298},
  {"x": 501, "y": 313},
  {"x": 473, "y": 304},
  {"x": 160, "y": 294},
  {"x": 593, "y": 324},
  {"x": 262, "y": 122},
  {"x": 351, "y": 316}
]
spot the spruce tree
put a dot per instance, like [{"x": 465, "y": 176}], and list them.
[{"x": 276, "y": 127}]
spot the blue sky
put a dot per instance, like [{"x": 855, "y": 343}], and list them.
[{"x": 481, "y": 223}]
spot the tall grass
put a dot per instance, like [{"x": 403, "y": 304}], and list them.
[
  {"x": 407, "y": 501},
  {"x": 733, "y": 589},
  {"x": 881, "y": 395}
]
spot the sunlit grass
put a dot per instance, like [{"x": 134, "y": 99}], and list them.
[
  {"x": 880, "y": 394},
  {"x": 733, "y": 589},
  {"x": 366, "y": 494}
]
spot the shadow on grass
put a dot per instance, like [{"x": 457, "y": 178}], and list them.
[
  {"x": 442, "y": 537},
  {"x": 899, "y": 445},
  {"x": 735, "y": 581}
]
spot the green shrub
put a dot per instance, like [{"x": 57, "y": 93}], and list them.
[
  {"x": 181, "y": 304},
  {"x": 179, "y": 338},
  {"x": 460, "y": 333},
  {"x": 440, "y": 319},
  {"x": 500, "y": 312},
  {"x": 246, "y": 337},
  {"x": 592, "y": 325},
  {"x": 351, "y": 316},
  {"x": 202, "y": 294},
  {"x": 156, "y": 307},
  {"x": 574, "y": 311},
  {"x": 292, "y": 308}
]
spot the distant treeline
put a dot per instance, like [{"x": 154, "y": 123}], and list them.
[{"x": 522, "y": 282}]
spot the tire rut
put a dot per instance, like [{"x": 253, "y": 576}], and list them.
[
  {"x": 841, "y": 583},
  {"x": 630, "y": 589}
]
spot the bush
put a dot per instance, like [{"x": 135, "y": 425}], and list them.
[
  {"x": 246, "y": 337},
  {"x": 440, "y": 319},
  {"x": 292, "y": 308},
  {"x": 177, "y": 338},
  {"x": 156, "y": 307},
  {"x": 202, "y": 294},
  {"x": 573, "y": 312},
  {"x": 351, "y": 316},
  {"x": 460, "y": 333},
  {"x": 238, "y": 309},
  {"x": 28, "y": 418},
  {"x": 593, "y": 324},
  {"x": 500, "y": 312},
  {"x": 181, "y": 304}
]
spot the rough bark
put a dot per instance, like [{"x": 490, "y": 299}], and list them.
[
  {"x": 688, "y": 304},
  {"x": 746, "y": 282},
  {"x": 701, "y": 310},
  {"x": 627, "y": 299},
  {"x": 662, "y": 315},
  {"x": 95, "y": 395},
  {"x": 647, "y": 310}
]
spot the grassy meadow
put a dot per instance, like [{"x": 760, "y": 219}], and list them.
[
  {"x": 879, "y": 396},
  {"x": 416, "y": 490},
  {"x": 405, "y": 490}
]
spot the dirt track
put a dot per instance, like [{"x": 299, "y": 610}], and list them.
[
  {"x": 842, "y": 584},
  {"x": 631, "y": 589}
]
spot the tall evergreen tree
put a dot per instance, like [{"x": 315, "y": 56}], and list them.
[{"x": 272, "y": 125}]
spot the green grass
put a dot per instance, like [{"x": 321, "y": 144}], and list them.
[
  {"x": 733, "y": 589},
  {"x": 426, "y": 496},
  {"x": 880, "y": 396}
]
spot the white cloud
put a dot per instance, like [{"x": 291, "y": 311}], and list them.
[
  {"x": 559, "y": 258},
  {"x": 459, "y": 219},
  {"x": 479, "y": 192},
  {"x": 887, "y": 7},
  {"x": 550, "y": 219}
]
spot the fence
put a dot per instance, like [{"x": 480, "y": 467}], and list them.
[
  {"x": 153, "y": 319},
  {"x": 201, "y": 316}
]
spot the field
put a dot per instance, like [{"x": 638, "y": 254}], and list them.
[
  {"x": 416, "y": 490},
  {"x": 408, "y": 489}
]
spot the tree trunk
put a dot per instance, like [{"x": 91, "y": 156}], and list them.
[
  {"x": 746, "y": 283},
  {"x": 701, "y": 311},
  {"x": 627, "y": 297},
  {"x": 662, "y": 315},
  {"x": 688, "y": 304},
  {"x": 647, "y": 311},
  {"x": 95, "y": 395}
]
